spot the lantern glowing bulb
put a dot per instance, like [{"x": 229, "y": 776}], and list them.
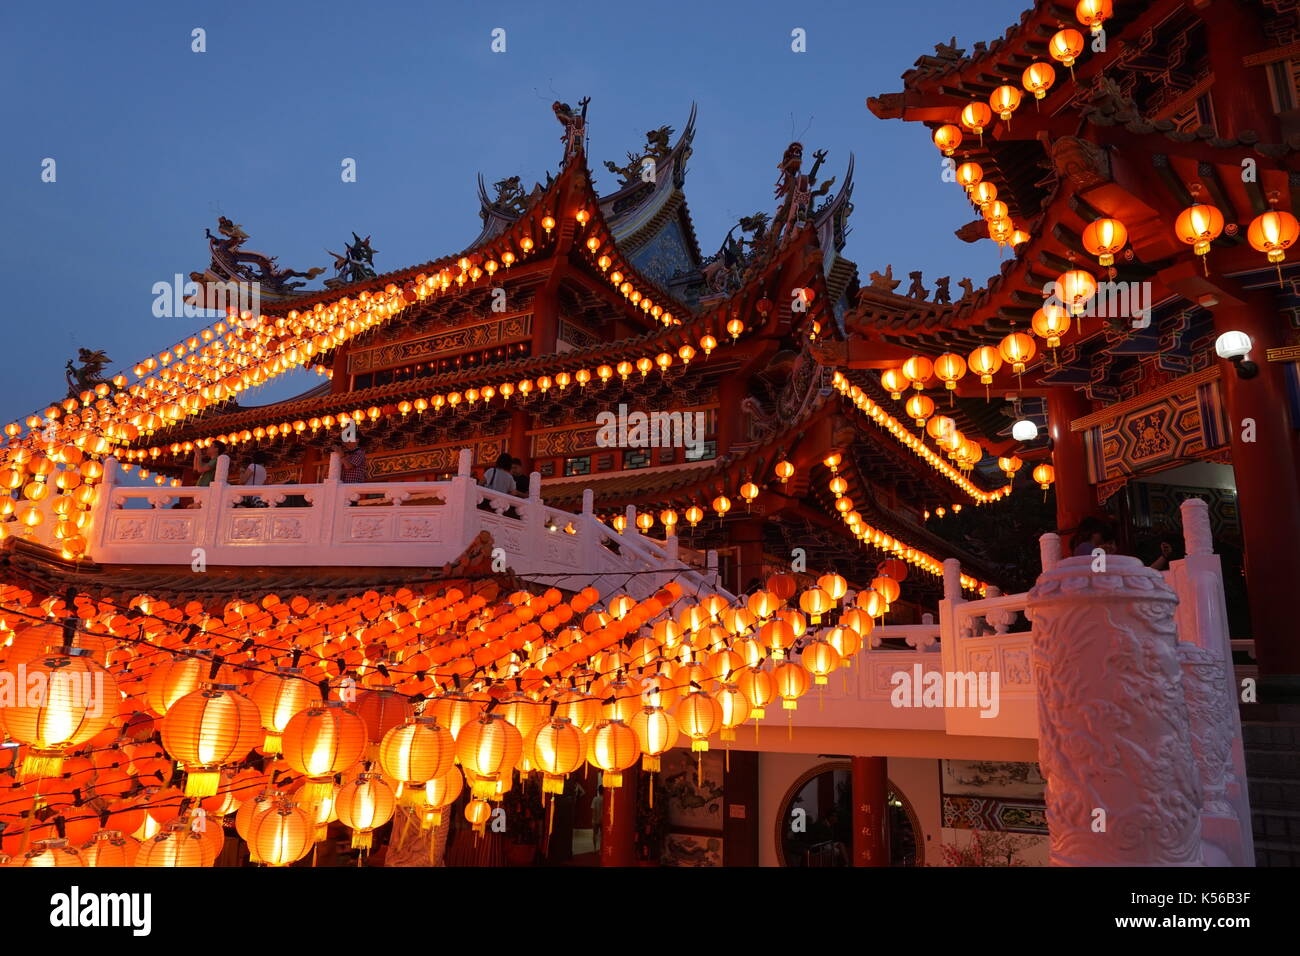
[
  {"x": 1104, "y": 238},
  {"x": 975, "y": 117},
  {"x": 1038, "y": 79},
  {"x": 947, "y": 138},
  {"x": 1065, "y": 46},
  {"x": 1093, "y": 13}
]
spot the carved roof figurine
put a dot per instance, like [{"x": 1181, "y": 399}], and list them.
[
  {"x": 231, "y": 262},
  {"x": 916, "y": 290},
  {"x": 949, "y": 50},
  {"x": 941, "y": 294},
  {"x": 1106, "y": 102},
  {"x": 967, "y": 289},
  {"x": 89, "y": 373},
  {"x": 885, "y": 281},
  {"x": 575, "y": 125},
  {"x": 795, "y": 190},
  {"x": 657, "y": 146},
  {"x": 356, "y": 263},
  {"x": 510, "y": 196}
]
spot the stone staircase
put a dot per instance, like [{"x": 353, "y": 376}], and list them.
[{"x": 1273, "y": 770}]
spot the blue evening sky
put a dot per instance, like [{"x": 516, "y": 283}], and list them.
[{"x": 152, "y": 140}]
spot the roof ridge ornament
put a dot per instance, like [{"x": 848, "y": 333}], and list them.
[{"x": 575, "y": 127}]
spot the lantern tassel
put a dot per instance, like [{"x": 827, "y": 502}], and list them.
[
  {"x": 202, "y": 783},
  {"x": 47, "y": 763},
  {"x": 363, "y": 839}
]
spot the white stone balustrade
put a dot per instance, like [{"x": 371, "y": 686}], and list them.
[{"x": 378, "y": 524}]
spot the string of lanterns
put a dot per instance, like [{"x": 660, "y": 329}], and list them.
[{"x": 530, "y": 684}]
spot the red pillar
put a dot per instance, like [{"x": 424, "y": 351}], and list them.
[
  {"x": 870, "y": 785},
  {"x": 1241, "y": 96},
  {"x": 1268, "y": 485},
  {"x": 618, "y": 821},
  {"x": 518, "y": 442},
  {"x": 1075, "y": 498}
]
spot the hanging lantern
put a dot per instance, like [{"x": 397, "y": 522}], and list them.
[
  {"x": 1005, "y": 100},
  {"x": 416, "y": 752},
  {"x": 321, "y": 741},
  {"x": 1065, "y": 46},
  {"x": 208, "y": 729},
  {"x": 439, "y": 794},
  {"x": 1273, "y": 232},
  {"x": 975, "y": 116},
  {"x": 834, "y": 585},
  {"x": 1093, "y": 13},
  {"x": 969, "y": 175},
  {"x": 1010, "y": 465},
  {"x": 949, "y": 369},
  {"x": 1104, "y": 238},
  {"x": 749, "y": 491},
  {"x": 721, "y": 505},
  {"x": 176, "y": 845},
  {"x": 784, "y": 471},
  {"x": 558, "y": 749},
  {"x": 758, "y": 687},
  {"x": 1050, "y": 323},
  {"x": 894, "y": 381},
  {"x": 614, "y": 748},
  {"x": 364, "y": 805},
  {"x": 281, "y": 834},
  {"x": 1038, "y": 79},
  {"x": 734, "y": 708},
  {"x": 920, "y": 407},
  {"x": 984, "y": 361},
  {"x": 1018, "y": 350},
  {"x": 488, "y": 749},
  {"x": 279, "y": 697},
  {"x": 1199, "y": 225},
  {"x": 699, "y": 717},
  {"x": 918, "y": 370},
  {"x": 110, "y": 848},
  {"x": 947, "y": 138},
  {"x": 78, "y": 700},
  {"x": 940, "y": 427},
  {"x": 694, "y": 515},
  {"x": 983, "y": 193},
  {"x": 792, "y": 681},
  {"x": 478, "y": 813},
  {"x": 1074, "y": 288},
  {"x": 821, "y": 659},
  {"x": 1044, "y": 475},
  {"x": 815, "y": 602}
]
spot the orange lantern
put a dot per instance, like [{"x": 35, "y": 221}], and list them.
[
  {"x": 1199, "y": 225},
  {"x": 758, "y": 687},
  {"x": 321, "y": 741},
  {"x": 947, "y": 138},
  {"x": 1004, "y": 101},
  {"x": 417, "y": 751},
  {"x": 63, "y": 700},
  {"x": 918, "y": 370},
  {"x": 821, "y": 658},
  {"x": 1044, "y": 475},
  {"x": 1065, "y": 46},
  {"x": 363, "y": 805},
  {"x": 1038, "y": 79},
  {"x": 558, "y": 749},
  {"x": 279, "y": 697},
  {"x": 1103, "y": 238},
  {"x": 1093, "y": 13},
  {"x": 280, "y": 833},
  {"x": 975, "y": 116},
  {"x": 439, "y": 794},
  {"x": 984, "y": 362},
  {"x": 1018, "y": 350},
  {"x": 792, "y": 681},
  {"x": 1074, "y": 288},
  {"x": 614, "y": 748},
  {"x": 894, "y": 381},
  {"x": 1050, "y": 323},
  {"x": 1273, "y": 232},
  {"x": 489, "y": 748},
  {"x": 699, "y": 717},
  {"x": 949, "y": 368},
  {"x": 207, "y": 729},
  {"x": 969, "y": 175},
  {"x": 983, "y": 193},
  {"x": 920, "y": 407}
]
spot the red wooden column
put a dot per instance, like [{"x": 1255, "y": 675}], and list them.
[
  {"x": 618, "y": 821},
  {"x": 518, "y": 441},
  {"x": 1075, "y": 499},
  {"x": 1268, "y": 486},
  {"x": 1241, "y": 96},
  {"x": 870, "y": 785}
]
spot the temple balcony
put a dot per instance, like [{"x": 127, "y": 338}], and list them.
[{"x": 334, "y": 524}]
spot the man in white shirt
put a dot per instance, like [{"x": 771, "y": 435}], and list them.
[
  {"x": 498, "y": 477},
  {"x": 254, "y": 474}
]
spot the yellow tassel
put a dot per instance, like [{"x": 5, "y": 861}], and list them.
[
  {"x": 363, "y": 839},
  {"x": 202, "y": 783},
  {"x": 43, "y": 763}
]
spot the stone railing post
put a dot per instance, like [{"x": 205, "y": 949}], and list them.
[
  {"x": 463, "y": 498},
  {"x": 1114, "y": 738},
  {"x": 1049, "y": 550},
  {"x": 329, "y": 499},
  {"x": 103, "y": 506},
  {"x": 534, "y": 519},
  {"x": 213, "y": 502},
  {"x": 1205, "y": 652}
]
